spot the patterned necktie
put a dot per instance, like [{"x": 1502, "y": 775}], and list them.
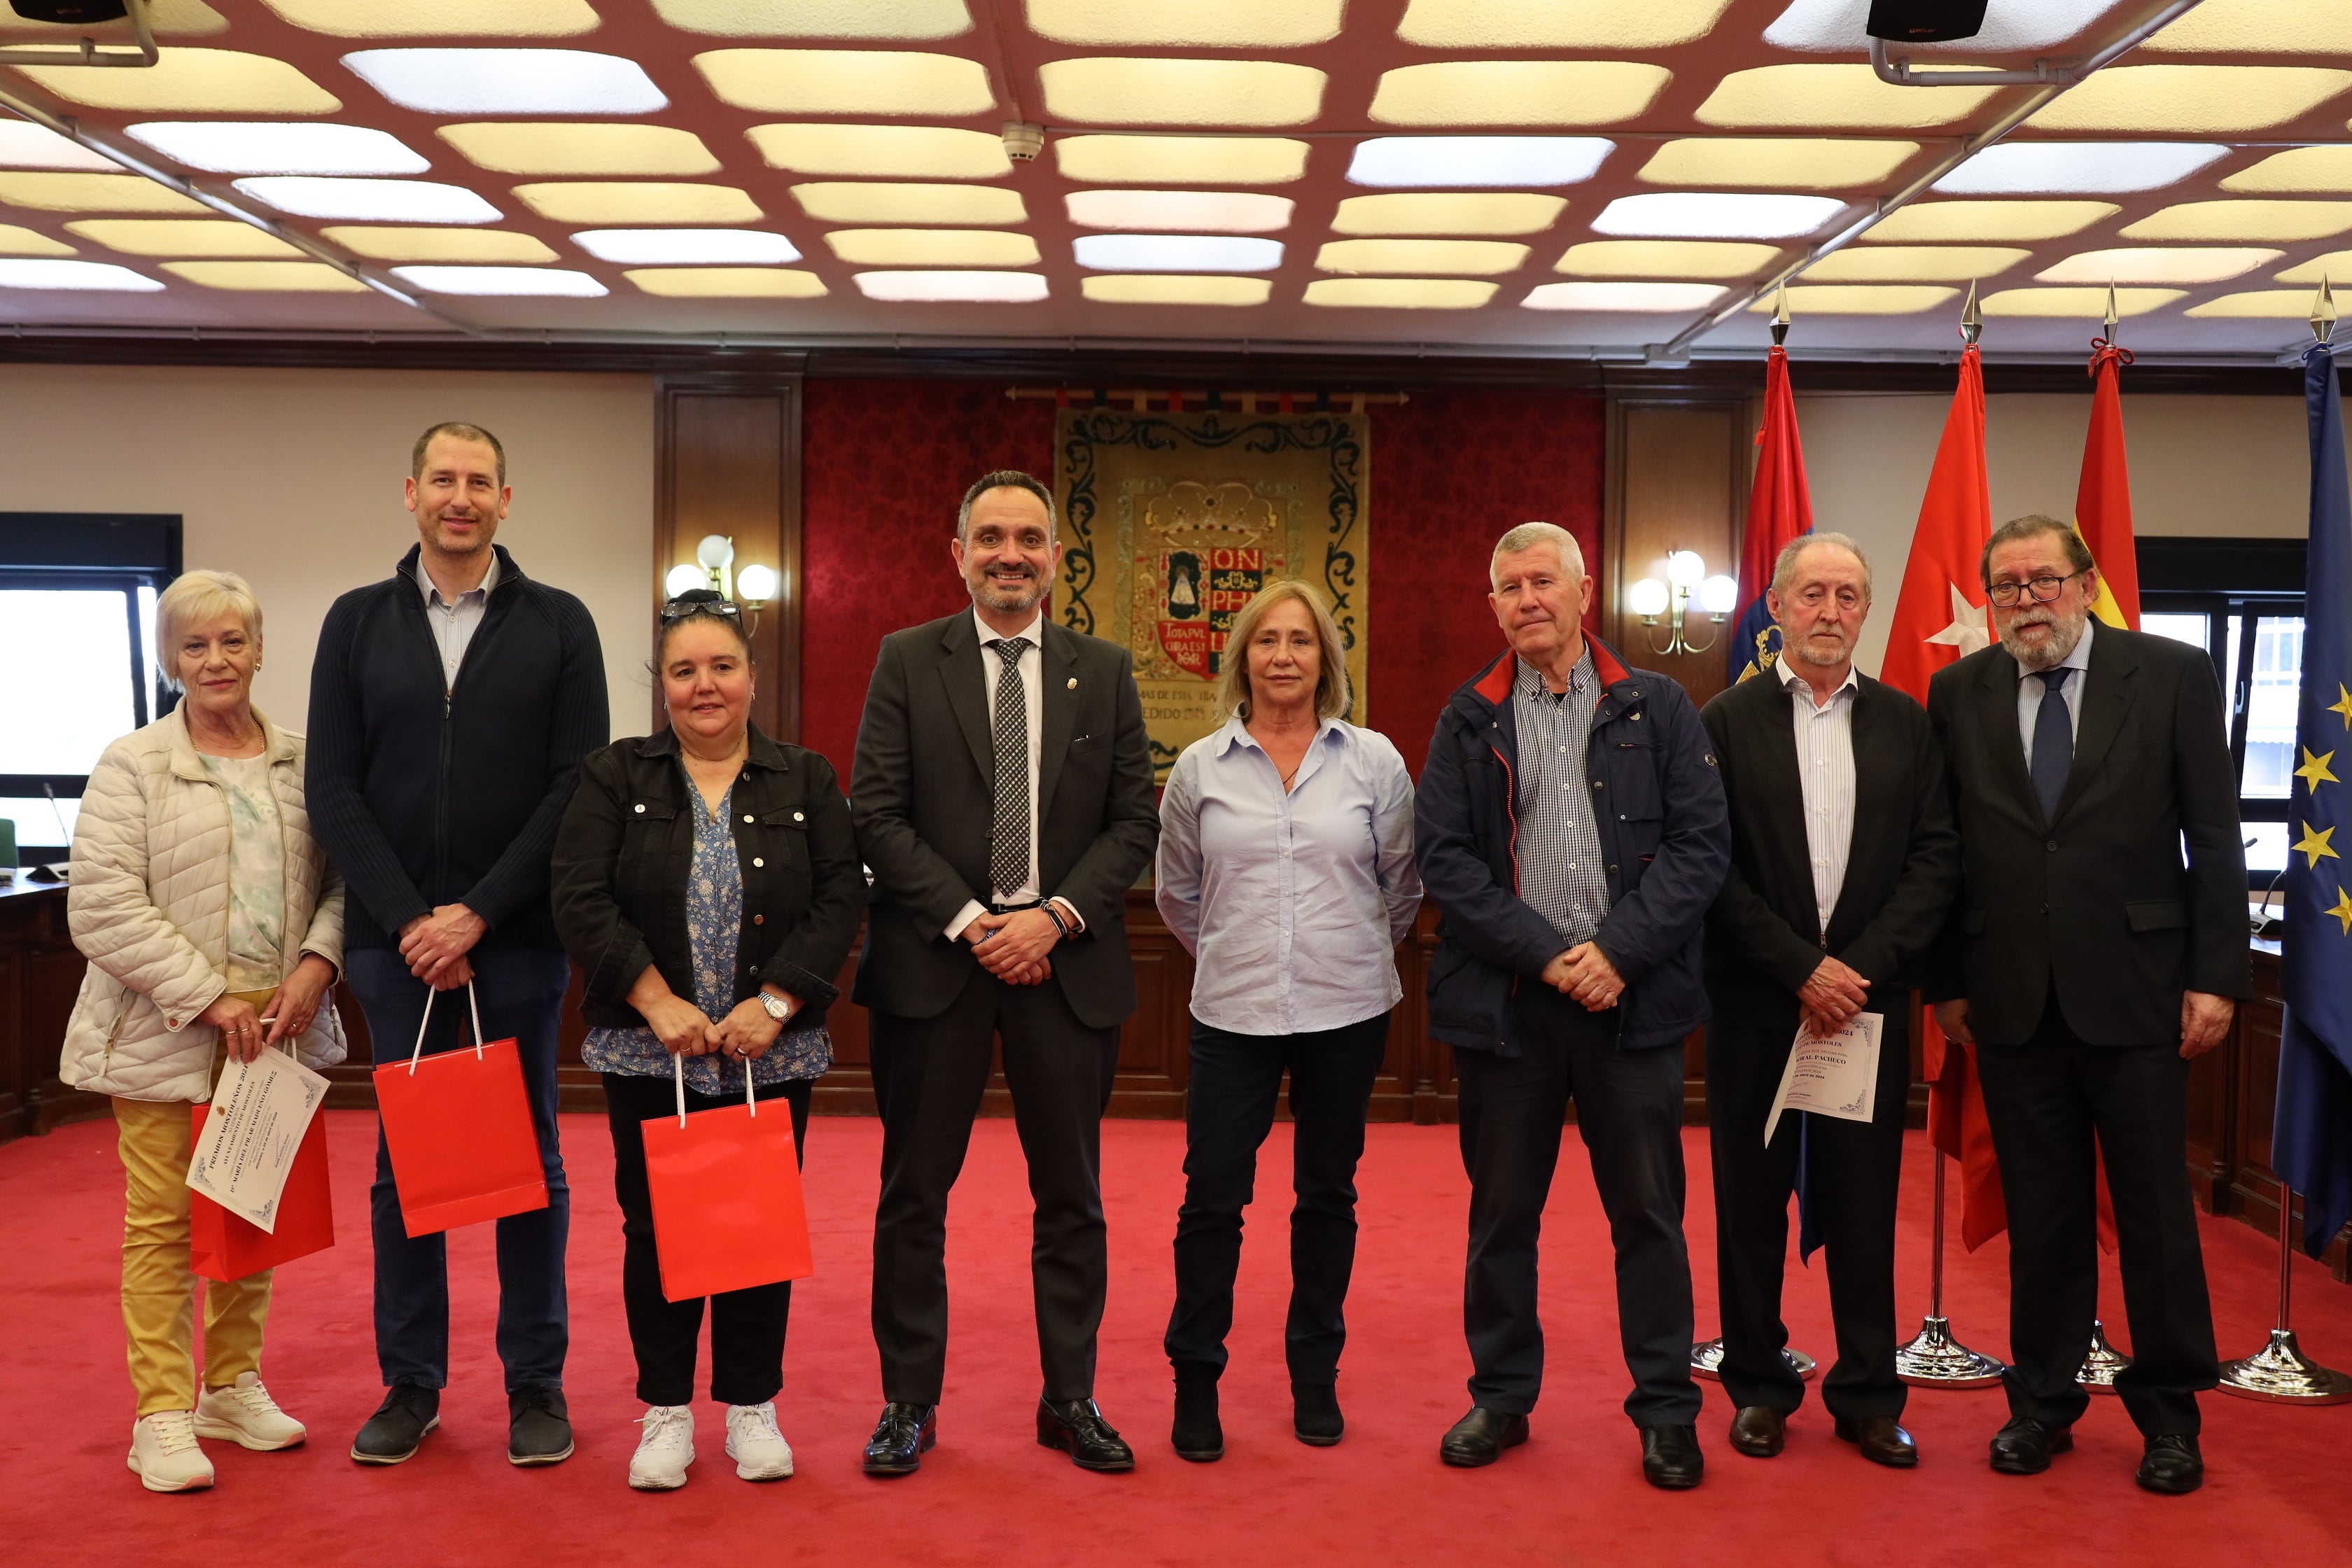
[
  {"x": 2053, "y": 742},
  {"x": 1008, "y": 836}
]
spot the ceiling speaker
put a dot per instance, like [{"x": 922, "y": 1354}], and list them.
[{"x": 1924, "y": 21}]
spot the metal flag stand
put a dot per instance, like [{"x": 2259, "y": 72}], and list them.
[
  {"x": 2101, "y": 1363},
  {"x": 1934, "y": 1358},
  {"x": 2280, "y": 1371}
]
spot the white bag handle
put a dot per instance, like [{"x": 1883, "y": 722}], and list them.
[
  {"x": 677, "y": 1077},
  {"x": 471, "y": 1001}
]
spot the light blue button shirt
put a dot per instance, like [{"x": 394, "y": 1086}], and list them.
[
  {"x": 1291, "y": 902},
  {"x": 2029, "y": 690}
]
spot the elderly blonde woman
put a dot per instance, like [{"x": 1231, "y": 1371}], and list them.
[
  {"x": 214, "y": 928},
  {"x": 1286, "y": 869}
]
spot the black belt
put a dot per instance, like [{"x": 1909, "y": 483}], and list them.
[{"x": 996, "y": 909}]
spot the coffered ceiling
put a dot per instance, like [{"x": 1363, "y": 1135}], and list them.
[{"x": 1564, "y": 177}]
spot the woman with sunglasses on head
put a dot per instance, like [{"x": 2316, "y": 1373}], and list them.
[{"x": 707, "y": 879}]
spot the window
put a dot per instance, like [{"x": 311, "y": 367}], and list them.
[{"x": 77, "y": 611}]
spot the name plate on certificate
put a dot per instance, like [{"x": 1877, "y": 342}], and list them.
[
  {"x": 1833, "y": 1076},
  {"x": 258, "y": 1115}
]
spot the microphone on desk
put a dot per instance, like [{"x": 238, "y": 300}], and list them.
[{"x": 2262, "y": 923}]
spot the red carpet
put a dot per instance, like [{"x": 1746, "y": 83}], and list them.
[{"x": 988, "y": 1495}]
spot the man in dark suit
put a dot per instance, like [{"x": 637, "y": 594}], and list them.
[
  {"x": 2087, "y": 964},
  {"x": 1002, "y": 799},
  {"x": 1843, "y": 862}
]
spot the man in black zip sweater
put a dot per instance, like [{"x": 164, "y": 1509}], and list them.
[{"x": 449, "y": 709}]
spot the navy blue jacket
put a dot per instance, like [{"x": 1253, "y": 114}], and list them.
[{"x": 1665, "y": 832}]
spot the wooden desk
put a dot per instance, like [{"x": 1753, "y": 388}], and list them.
[{"x": 40, "y": 975}]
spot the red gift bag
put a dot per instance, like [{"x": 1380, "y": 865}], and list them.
[
  {"x": 224, "y": 1247},
  {"x": 458, "y": 1128},
  {"x": 726, "y": 1196}
]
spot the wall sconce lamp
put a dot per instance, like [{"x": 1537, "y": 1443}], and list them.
[
  {"x": 1687, "y": 577},
  {"x": 713, "y": 567}
]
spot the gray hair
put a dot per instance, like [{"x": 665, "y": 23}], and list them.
[
  {"x": 1005, "y": 480},
  {"x": 194, "y": 599},
  {"x": 1527, "y": 535},
  {"x": 1784, "y": 569},
  {"x": 2078, "y": 554}
]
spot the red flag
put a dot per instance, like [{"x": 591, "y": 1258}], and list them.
[
  {"x": 1779, "y": 507},
  {"x": 2103, "y": 496}
]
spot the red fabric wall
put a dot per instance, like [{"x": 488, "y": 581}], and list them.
[{"x": 885, "y": 462}]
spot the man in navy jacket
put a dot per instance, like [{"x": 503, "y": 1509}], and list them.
[
  {"x": 450, "y": 706},
  {"x": 1571, "y": 825}
]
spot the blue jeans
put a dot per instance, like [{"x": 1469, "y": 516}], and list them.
[{"x": 521, "y": 995}]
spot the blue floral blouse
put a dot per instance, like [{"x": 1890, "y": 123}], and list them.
[{"x": 714, "y": 921}]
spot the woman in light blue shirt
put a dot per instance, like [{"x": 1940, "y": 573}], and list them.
[{"x": 1286, "y": 869}]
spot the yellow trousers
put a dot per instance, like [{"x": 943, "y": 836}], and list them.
[{"x": 159, "y": 1285}]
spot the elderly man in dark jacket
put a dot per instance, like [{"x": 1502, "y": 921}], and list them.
[{"x": 1571, "y": 825}]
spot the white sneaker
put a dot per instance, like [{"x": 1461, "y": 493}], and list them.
[
  {"x": 246, "y": 1415},
  {"x": 758, "y": 1448},
  {"x": 165, "y": 1455},
  {"x": 664, "y": 1447}
]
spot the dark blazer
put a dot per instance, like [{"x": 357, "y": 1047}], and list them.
[
  {"x": 626, "y": 847},
  {"x": 1764, "y": 938},
  {"x": 921, "y": 796},
  {"x": 1658, "y": 804},
  {"x": 2097, "y": 901},
  {"x": 425, "y": 793}
]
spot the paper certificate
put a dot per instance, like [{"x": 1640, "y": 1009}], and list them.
[
  {"x": 258, "y": 1115},
  {"x": 1833, "y": 1077}
]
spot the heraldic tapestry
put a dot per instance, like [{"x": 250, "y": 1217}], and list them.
[{"x": 1172, "y": 522}]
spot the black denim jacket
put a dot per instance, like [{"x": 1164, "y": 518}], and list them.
[{"x": 626, "y": 847}]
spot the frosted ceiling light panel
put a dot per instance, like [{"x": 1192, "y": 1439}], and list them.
[
  {"x": 1552, "y": 25},
  {"x": 858, "y": 203},
  {"x": 1176, "y": 253},
  {"x": 1835, "y": 27},
  {"x": 1716, "y": 216},
  {"x": 268, "y": 276},
  {"x": 568, "y": 147},
  {"x": 2257, "y": 26},
  {"x": 1861, "y": 299},
  {"x": 1400, "y": 293},
  {"x": 2087, "y": 305},
  {"x": 509, "y": 81},
  {"x": 367, "y": 201},
  {"x": 1420, "y": 258},
  {"x": 914, "y": 20},
  {"x": 24, "y": 145},
  {"x": 2216, "y": 264},
  {"x": 847, "y": 81},
  {"x": 1665, "y": 258},
  {"x": 2244, "y": 220},
  {"x": 932, "y": 248},
  {"x": 883, "y": 152},
  {"x": 603, "y": 203},
  {"x": 949, "y": 288},
  {"x": 2018, "y": 168},
  {"x": 1179, "y": 160},
  {"x": 730, "y": 283},
  {"x": 2313, "y": 169},
  {"x": 62, "y": 192},
  {"x": 1197, "y": 212},
  {"x": 686, "y": 246},
  {"x": 1630, "y": 297},
  {"x": 2189, "y": 101},
  {"x": 1174, "y": 288},
  {"x": 80, "y": 275},
  {"x": 279, "y": 147},
  {"x": 1775, "y": 163},
  {"x": 1112, "y": 91},
  {"x": 17, "y": 240},
  {"x": 1188, "y": 24},
  {"x": 453, "y": 245},
  {"x": 1482, "y": 161},
  {"x": 1842, "y": 97},
  {"x": 505, "y": 282},
  {"x": 1517, "y": 93},
  {"x": 2019, "y": 221},
  {"x": 182, "y": 236},
  {"x": 191, "y": 81},
  {"x": 2267, "y": 304},
  {"x": 1448, "y": 212},
  {"x": 2334, "y": 265},
  {"x": 439, "y": 19},
  {"x": 1914, "y": 263}
]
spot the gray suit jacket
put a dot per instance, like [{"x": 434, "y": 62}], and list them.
[{"x": 920, "y": 796}]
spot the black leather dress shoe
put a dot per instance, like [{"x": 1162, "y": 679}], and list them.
[
  {"x": 2172, "y": 1464},
  {"x": 904, "y": 1435},
  {"x": 1881, "y": 1439},
  {"x": 2023, "y": 1446},
  {"x": 1077, "y": 1426},
  {"x": 1315, "y": 1415},
  {"x": 1670, "y": 1458},
  {"x": 397, "y": 1428},
  {"x": 1480, "y": 1437},
  {"x": 539, "y": 1426},
  {"x": 1196, "y": 1433},
  {"x": 1758, "y": 1431}
]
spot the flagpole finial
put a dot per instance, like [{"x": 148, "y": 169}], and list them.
[
  {"x": 1971, "y": 320},
  {"x": 2322, "y": 311},
  {"x": 1780, "y": 316},
  {"x": 2112, "y": 320}
]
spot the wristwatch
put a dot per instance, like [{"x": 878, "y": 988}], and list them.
[{"x": 778, "y": 1008}]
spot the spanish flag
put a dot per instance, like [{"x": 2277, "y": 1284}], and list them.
[{"x": 2103, "y": 495}]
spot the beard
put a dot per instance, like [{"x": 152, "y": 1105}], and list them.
[
  {"x": 2065, "y": 631},
  {"x": 1009, "y": 598},
  {"x": 1806, "y": 650}
]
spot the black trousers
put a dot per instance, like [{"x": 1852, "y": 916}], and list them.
[
  {"x": 929, "y": 1077},
  {"x": 2057, "y": 1104},
  {"x": 1629, "y": 1111},
  {"x": 1228, "y": 1111},
  {"x": 747, "y": 1327},
  {"x": 1856, "y": 1167}
]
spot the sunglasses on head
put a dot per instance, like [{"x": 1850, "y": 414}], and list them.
[{"x": 687, "y": 609}]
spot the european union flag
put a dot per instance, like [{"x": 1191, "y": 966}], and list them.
[{"x": 2312, "y": 1131}]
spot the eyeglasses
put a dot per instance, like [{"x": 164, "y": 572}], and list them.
[
  {"x": 687, "y": 609},
  {"x": 2045, "y": 589}
]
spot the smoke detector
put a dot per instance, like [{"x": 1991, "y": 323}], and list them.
[{"x": 1022, "y": 141}]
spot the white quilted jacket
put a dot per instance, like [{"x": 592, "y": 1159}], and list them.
[{"x": 148, "y": 906}]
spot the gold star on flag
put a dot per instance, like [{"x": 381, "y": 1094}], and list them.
[
  {"x": 2314, "y": 772},
  {"x": 2314, "y": 845},
  {"x": 2343, "y": 910},
  {"x": 2343, "y": 704}
]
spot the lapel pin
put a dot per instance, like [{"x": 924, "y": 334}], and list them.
[{"x": 1074, "y": 683}]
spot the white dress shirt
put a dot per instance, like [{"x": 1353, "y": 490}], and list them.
[
  {"x": 2029, "y": 690},
  {"x": 1291, "y": 901},
  {"x": 1825, "y": 771},
  {"x": 454, "y": 625},
  {"x": 1032, "y": 691}
]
